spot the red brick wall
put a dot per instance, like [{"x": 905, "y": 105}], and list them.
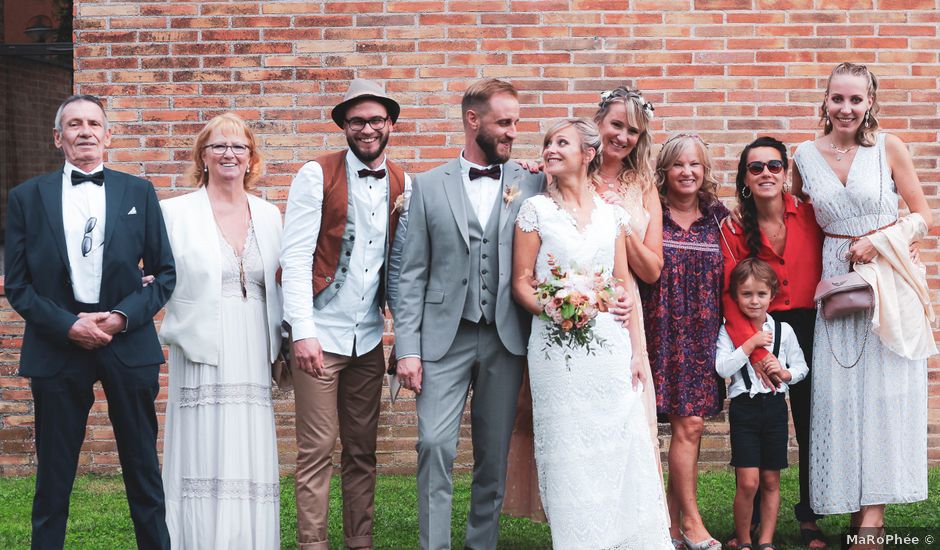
[{"x": 727, "y": 69}]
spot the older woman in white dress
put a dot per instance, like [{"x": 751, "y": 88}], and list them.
[{"x": 223, "y": 327}]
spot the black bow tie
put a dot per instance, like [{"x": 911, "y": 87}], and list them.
[
  {"x": 97, "y": 178},
  {"x": 366, "y": 173},
  {"x": 491, "y": 172}
]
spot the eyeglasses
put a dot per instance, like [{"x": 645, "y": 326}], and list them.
[
  {"x": 219, "y": 149},
  {"x": 357, "y": 124},
  {"x": 756, "y": 168},
  {"x": 86, "y": 240}
]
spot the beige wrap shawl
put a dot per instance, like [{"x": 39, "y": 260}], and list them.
[{"x": 903, "y": 315}]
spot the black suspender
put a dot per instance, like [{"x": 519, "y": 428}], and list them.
[{"x": 776, "y": 352}]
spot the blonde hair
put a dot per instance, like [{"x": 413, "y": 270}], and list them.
[
  {"x": 227, "y": 123},
  {"x": 590, "y": 138},
  {"x": 639, "y": 113},
  {"x": 478, "y": 95},
  {"x": 671, "y": 150},
  {"x": 865, "y": 135}
]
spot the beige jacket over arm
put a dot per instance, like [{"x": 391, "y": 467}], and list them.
[{"x": 903, "y": 313}]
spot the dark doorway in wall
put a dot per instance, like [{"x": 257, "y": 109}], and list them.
[{"x": 35, "y": 76}]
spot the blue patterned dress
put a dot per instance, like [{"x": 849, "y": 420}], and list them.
[{"x": 682, "y": 314}]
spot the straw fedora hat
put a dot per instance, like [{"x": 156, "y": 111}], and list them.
[{"x": 360, "y": 89}]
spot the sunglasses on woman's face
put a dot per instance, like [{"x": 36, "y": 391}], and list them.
[{"x": 756, "y": 168}]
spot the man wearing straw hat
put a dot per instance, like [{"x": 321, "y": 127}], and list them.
[{"x": 342, "y": 212}]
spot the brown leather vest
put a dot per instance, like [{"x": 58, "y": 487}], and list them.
[{"x": 334, "y": 214}]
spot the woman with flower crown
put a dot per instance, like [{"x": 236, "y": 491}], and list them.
[
  {"x": 625, "y": 178},
  {"x": 597, "y": 474}
]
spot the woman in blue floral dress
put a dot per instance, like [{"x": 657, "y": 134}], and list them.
[{"x": 682, "y": 314}]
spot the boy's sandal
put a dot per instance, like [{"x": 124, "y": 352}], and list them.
[
  {"x": 808, "y": 536},
  {"x": 731, "y": 541}
]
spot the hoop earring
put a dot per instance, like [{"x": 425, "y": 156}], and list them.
[
  {"x": 868, "y": 119},
  {"x": 748, "y": 191}
]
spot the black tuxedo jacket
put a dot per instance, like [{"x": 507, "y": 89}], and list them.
[{"x": 38, "y": 281}]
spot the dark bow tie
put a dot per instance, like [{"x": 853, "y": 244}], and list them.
[
  {"x": 366, "y": 173},
  {"x": 97, "y": 178},
  {"x": 491, "y": 172}
]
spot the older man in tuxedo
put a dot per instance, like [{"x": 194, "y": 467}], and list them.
[{"x": 75, "y": 241}]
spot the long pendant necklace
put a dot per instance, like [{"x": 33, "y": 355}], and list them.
[{"x": 239, "y": 257}]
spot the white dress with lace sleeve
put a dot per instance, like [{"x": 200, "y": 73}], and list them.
[{"x": 598, "y": 477}]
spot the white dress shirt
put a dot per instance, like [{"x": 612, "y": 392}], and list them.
[
  {"x": 482, "y": 191},
  {"x": 731, "y": 360},
  {"x": 80, "y": 203},
  {"x": 354, "y": 314}
]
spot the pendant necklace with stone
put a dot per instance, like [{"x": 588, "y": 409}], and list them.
[{"x": 840, "y": 153}]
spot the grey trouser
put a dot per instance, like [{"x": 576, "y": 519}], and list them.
[{"x": 476, "y": 359}]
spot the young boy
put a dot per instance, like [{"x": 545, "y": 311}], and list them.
[{"x": 758, "y": 414}]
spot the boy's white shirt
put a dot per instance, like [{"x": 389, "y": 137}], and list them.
[{"x": 730, "y": 360}]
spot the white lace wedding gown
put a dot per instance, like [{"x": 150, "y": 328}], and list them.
[{"x": 598, "y": 478}]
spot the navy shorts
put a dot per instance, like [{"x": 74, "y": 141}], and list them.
[{"x": 759, "y": 431}]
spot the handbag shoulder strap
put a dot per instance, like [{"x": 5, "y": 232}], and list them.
[{"x": 723, "y": 238}]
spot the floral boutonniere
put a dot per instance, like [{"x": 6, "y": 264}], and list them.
[
  {"x": 399, "y": 204},
  {"x": 509, "y": 194}
]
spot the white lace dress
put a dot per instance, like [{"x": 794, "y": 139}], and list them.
[
  {"x": 598, "y": 478},
  {"x": 868, "y": 437},
  {"x": 220, "y": 469}
]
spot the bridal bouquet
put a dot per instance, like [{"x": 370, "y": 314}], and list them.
[{"x": 570, "y": 299}]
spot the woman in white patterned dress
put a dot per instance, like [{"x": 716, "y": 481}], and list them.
[
  {"x": 223, "y": 328},
  {"x": 869, "y": 405},
  {"x": 597, "y": 475}
]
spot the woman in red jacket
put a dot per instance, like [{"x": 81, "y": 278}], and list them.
[{"x": 778, "y": 230}]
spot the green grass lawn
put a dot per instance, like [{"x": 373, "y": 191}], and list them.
[{"x": 99, "y": 515}]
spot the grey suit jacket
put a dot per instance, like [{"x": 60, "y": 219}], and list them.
[{"x": 433, "y": 245}]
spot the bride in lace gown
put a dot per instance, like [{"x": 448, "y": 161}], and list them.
[{"x": 598, "y": 477}]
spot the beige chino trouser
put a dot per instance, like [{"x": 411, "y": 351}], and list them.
[{"x": 344, "y": 401}]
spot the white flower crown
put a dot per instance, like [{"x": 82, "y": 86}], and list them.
[{"x": 632, "y": 96}]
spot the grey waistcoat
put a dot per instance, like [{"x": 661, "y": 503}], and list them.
[{"x": 484, "y": 265}]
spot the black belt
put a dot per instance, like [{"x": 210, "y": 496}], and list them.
[{"x": 86, "y": 308}]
